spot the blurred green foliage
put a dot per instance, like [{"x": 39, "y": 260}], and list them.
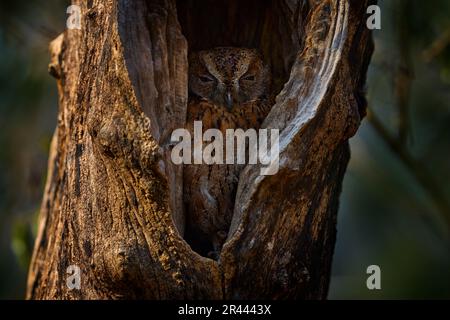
[
  {"x": 28, "y": 110},
  {"x": 387, "y": 217}
]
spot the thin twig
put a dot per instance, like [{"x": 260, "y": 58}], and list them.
[
  {"x": 404, "y": 73},
  {"x": 437, "y": 47}
]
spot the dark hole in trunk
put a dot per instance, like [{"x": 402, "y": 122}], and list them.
[{"x": 275, "y": 27}]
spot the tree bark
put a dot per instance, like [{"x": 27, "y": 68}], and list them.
[{"x": 113, "y": 199}]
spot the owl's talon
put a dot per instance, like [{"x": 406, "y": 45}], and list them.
[{"x": 213, "y": 255}]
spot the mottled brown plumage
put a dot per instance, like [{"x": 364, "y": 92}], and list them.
[{"x": 229, "y": 89}]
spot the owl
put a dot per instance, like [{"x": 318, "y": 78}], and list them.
[{"x": 229, "y": 88}]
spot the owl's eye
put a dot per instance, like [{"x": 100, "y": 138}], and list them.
[
  {"x": 205, "y": 79},
  {"x": 249, "y": 78}
]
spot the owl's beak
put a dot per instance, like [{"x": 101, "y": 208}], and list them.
[{"x": 229, "y": 100}]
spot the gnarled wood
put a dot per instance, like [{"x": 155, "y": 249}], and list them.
[{"x": 112, "y": 203}]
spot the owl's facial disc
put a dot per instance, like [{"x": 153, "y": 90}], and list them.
[
  {"x": 228, "y": 77},
  {"x": 227, "y": 94}
]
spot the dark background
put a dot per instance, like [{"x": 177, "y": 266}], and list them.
[{"x": 395, "y": 203}]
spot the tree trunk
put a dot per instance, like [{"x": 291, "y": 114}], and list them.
[{"x": 113, "y": 199}]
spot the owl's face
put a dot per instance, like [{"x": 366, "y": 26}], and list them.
[{"x": 228, "y": 76}]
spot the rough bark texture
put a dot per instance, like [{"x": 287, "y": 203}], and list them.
[{"x": 113, "y": 199}]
